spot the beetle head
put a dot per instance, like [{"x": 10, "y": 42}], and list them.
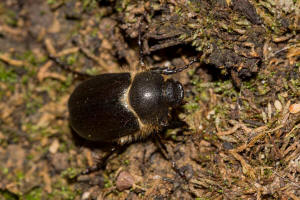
[{"x": 173, "y": 93}]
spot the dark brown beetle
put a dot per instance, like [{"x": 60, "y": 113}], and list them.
[{"x": 123, "y": 107}]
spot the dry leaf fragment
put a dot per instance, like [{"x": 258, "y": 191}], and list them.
[{"x": 294, "y": 108}]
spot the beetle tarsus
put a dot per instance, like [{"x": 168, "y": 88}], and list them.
[
  {"x": 174, "y": 70},
  {"x": 164, "y": 152},
  {"x": 91, "y": 169}
]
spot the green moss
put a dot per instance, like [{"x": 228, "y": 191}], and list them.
[
  {"x": 65, "y": 85},
  {"x": 20, "y": 175},
  {"x": 32, "y": 106},
  {"x": 62, "y": 146},
  {"x": 72, "y": 59},
  {"x": 250, "y": 85},
  {"x": 70, "y": 173},
  {"x": 35, "y": 194},
  {"x": 94, "y": 32},
  {"x": 295, "y": 83},
  {"x": 191, "y": 107},
  {"x": 268, "y": 172},
  {"x": 108, "y": 185},
  {"x": 25, "y": 79},
  {"x": 224, "y": 87},
  {"x": 174, "y": 137},
  {"x": 263, "y": 89},
  {"x": 10, "y": 18},
  {"x": 61, "y": 191},
  {"x": 51, "y": 2},
  {"x": 92, "y": 71},
  {"x": 126, "y": 162},
  {"x": 220, "y": 191},
  {"x": 7, "y": 75},
  {"x": 220, "y": 109},
  {"x": 107, "y": 182},
  {"x": 5, "y": 170},
  {"x": 4, "y": 194},
  {"x": 32, "y": 129},
  {"x": 29, "y": 157},
  {"x": 89, "y": 5},
  {"x": 121, "y": 5},
  {"x": 2, "y": 92},
  {"x": 30, "y": 57}
]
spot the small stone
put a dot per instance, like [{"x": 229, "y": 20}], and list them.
[
  {"x": 227, "y": 145},
  {"x": 60, "y": 161},
  {"x": 294, "y": 108},
  {"x": 54, "y": 146},
  {"x": 85, "y": 196},
  {"x": 132, "y": 196},
  {"x": 124, "y": 181}
]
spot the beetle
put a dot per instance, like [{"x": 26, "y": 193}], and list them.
[{"x": 124, "y": 107}]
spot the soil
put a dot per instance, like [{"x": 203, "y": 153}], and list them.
[{"x": 235, "y": 137}]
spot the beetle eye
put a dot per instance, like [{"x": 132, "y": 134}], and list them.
[{"x": 173, "y": 93}]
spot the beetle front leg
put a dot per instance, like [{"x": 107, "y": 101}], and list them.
[{"x": 174, "y": 70}]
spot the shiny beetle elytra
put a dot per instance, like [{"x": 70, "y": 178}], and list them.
[{"x": 123, "y": 107}]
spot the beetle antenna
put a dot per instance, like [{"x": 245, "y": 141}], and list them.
[
  {"x": 141, "y": 59},
  {"x": 67, "y": 68},
  {"x": 168, "y": 71}
]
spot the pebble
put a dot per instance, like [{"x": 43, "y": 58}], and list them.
[
  {"x": 124, "y": 181},
  {"x": 54, "y": 146}
]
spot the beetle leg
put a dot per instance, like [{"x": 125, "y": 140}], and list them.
[
  {"x": 164, "y": 151},
  {"x": 161, "y": 147},
  {"x": 174, "y": 70},
  {"x": 101, "y": 164}
]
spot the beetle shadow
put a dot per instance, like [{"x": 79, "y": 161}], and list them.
[
  {"x": 110, "y": 149},
  {"x": 174, "y": 123},
  {"x": 92, "y": 145}
]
